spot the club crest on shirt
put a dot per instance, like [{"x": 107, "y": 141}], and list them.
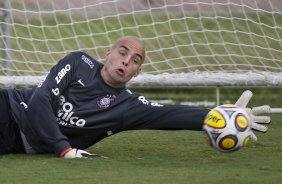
[{"x": 106, "y": 101}]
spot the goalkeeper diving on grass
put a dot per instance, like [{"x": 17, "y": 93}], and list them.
[{"x": 82, "y": 101}]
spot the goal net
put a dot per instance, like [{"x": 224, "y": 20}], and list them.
[{"x": 188, "y": 42}]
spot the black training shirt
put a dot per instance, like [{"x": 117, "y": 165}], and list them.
[{"x": 74, "y": 107}]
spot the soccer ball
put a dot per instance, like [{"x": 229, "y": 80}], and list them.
[{"x": 227, "y": 127}]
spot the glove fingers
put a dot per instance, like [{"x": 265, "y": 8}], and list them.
[
  {"x": 253, "y": 137},
  {"x": 85, "y": 154},
  {"x": 261, "y": 119},
  {"x": 259, "y": 127},
  {"x": 244, "y": 99},
  {"x": 88, "y": 155},
  {"x": 261, "y": 109}
]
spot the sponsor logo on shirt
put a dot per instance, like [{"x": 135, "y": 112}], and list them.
[
  {"x": 62, "y": 73},
  {"x": 56, "y": 91},
  {"x": 65, "y": 114},
  {"x": 146, "y": 102},
  {"x": 88, "y": 61},
  {"x": 42, "y": 81},
  {"x": 106, "y": 101}
]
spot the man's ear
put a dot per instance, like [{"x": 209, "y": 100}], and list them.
[{"x": 108, "y": 52}]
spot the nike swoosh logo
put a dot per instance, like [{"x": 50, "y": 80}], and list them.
[
  {"x": 80, "y": 82},
  {"x": 24, "y": 105}
]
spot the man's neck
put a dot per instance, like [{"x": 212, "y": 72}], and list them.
[{"x": 107, "y": 79}]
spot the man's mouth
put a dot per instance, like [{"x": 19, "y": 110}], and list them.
[{"x": 120, "y": 71}]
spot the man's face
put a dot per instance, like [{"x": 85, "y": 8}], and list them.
[{"x": 123, "y": 61}]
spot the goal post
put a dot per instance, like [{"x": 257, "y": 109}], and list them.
[{"x": 189, "y": 42}]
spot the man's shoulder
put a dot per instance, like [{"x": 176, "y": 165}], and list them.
[
  {"x": 84, "y": 57},
  {"x": 131, "y": 94}
]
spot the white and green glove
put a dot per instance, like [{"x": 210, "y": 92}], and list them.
[{"x": 258, "y": 120}]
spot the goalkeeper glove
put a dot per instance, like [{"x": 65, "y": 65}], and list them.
[
  {"x": 76, "y": 153},
  {"x": 258, "y": 122}
]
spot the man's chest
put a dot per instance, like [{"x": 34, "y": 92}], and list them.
[{"x": 87, "y": 105}]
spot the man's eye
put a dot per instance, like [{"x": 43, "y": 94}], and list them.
[
  {"x": 137, "y": 60},
  {"x": 122, "y": 53}
]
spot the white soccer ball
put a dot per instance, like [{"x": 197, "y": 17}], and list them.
[{"x": 227, "y": 127}]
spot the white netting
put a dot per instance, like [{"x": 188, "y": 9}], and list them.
[{"x": 189, "y": 42}]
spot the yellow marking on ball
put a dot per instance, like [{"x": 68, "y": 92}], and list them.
[
  {"x": 246, "y": 141},
  {"x": 242, "y": 121},
  {"x": 228, "y": 143},
  {"x": 215, "y": 119}
]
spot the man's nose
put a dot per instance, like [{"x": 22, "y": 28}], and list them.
[{"x": 126, "y": 60}]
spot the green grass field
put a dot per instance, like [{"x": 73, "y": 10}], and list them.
[
  {"x": 160, "y": 157},
  {"x": 155, "y": 157}
]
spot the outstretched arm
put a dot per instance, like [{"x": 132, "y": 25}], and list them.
[{"x": 142, "y": 114}]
